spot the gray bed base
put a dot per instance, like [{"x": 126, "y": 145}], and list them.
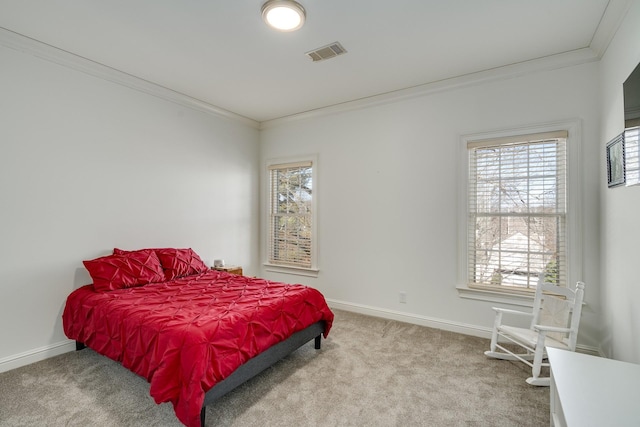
[
  {"x": 259, "y": 363},
  {"x": 262, "y": 361}
]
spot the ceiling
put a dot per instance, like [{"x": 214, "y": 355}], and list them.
[{"x": 221, "y": 53}]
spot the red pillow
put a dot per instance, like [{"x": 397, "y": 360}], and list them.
[
  {"x": 124, "y": 270},
  {"x": 117, "y": 251},
  {"x": 175, "y": 262},
  {"x": 180, "y": 262}
]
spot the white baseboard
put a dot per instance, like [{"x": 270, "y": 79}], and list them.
[
  {"x": 416, "y": 319},
  {"x": 593, "y": 351},
  {"x": 42, "y": 353},
  {"x": 431, "y": 322},
  {"x": 36, "y": 355}
]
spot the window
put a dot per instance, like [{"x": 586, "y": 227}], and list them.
[
  {"x": 632, "y": 155},
  {"x": 291, "y": 215},
  {"x": 517, "y": 211}
]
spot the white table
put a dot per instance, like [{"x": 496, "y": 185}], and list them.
[{"x": 593, "y": 391}]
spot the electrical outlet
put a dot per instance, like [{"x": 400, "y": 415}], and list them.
[{"x": 403, "y": 297}]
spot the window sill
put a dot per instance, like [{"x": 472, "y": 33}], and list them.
[
  {"x": 503, "y": 297},
  {"x": 274, "y": 268}
]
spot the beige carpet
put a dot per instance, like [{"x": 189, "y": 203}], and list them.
[{"x": 370, "y": 372}]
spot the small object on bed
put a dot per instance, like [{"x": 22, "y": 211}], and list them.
[{"x": 197, "y": 336}]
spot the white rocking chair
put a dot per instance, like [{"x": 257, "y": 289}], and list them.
[{"x": 554, "y": 323}]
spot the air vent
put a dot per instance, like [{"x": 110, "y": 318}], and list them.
[{"x": 326, "y": 52}]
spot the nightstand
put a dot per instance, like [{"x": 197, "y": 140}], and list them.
[{"x": 233, "y": 269}]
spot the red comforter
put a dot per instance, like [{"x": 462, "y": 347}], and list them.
[{"x": 188, "y": 334}]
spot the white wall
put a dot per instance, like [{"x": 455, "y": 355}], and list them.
[
  {"x": 620, "y": 206},
  {"x": 87, "y": 165},
  {"x": 388, "y": 191}
]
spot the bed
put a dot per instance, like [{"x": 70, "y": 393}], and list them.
[{"x": 192, "y": 332}]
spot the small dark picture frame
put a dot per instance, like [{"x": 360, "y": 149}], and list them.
[{"x": 616, "y": 175}]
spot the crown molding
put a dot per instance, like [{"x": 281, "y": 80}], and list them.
[
  {"x": 547, "y": 63},
  {"x": 611, "y": 20},
  {"x": 58, "y": 56}
]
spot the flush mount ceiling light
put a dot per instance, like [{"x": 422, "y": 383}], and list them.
[{"x": 283, "y": 15}]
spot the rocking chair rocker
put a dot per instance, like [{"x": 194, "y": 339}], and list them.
[{"x": 554, "y": 323}]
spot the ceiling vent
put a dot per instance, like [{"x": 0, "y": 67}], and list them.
[{"x": 326, "y": 52}]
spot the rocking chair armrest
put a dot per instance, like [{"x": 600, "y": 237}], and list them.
[
  {"x": 509, "y": 311},
  {"x": 544, "y": 328}
]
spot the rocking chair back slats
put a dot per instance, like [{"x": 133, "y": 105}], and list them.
[{"x": 554, "y": 312}]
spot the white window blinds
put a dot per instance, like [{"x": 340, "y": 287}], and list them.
[
  {"x": 517, "y": 209},
  {"x": 291, "y": 214},
  {"x": 632, "y": 155}
]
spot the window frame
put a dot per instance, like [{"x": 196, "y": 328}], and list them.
[
  {"x": 313, "y": 270},
  {"x": 573, "y": 212}
]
